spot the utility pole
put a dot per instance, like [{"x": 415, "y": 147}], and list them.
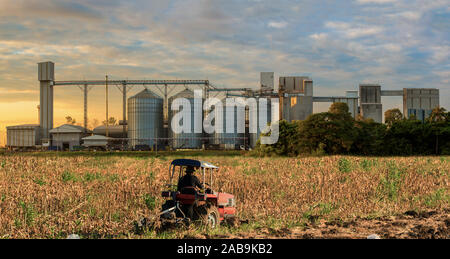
[
  {"x": 107, "y": 121},
  {"x": 124, "y": 109},
  {"x": 85, "y": 90},
  {"x": 166, "y": 105}
]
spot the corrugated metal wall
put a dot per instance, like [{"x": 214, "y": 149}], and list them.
[
  {"x": 22, "y": 137},
  {"x": 186, "y": 140},
  {"x": 230, "y": 115},
  {"x": 145, "y": 119}
]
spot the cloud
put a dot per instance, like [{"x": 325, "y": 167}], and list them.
[
  {"x": 319, "y": 36},
  {"x": 47, "y": 9},
  {"x": 408, "y": 15},
  {"x": 277, "y": 25},
  {"x": 440, "y": 54},
  {"x": 352, "y": 31},
  {"x": 375, "y": 1}
]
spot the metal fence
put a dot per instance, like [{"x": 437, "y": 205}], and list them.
[{"x": 160, "y": 144}]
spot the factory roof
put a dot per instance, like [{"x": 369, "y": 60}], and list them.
[
  {"x": 146, "y": 94},
  {"x": 115, "y": 128},
  {"x": 96, "y": 137},
  {"x": 184, "y": 94},
  {"x": 69, "y": 128},
  {"x": 23, "y": 126}
]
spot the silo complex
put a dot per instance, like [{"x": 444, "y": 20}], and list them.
[
  {"x": 191, "y": 139},
  {"x": 145, "y": 119}
]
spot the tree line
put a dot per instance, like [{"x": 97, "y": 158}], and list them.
[
  {"x": 92, "y": 124},
  {"x": 337, "y": 132}
]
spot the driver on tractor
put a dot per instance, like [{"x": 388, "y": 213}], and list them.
[
  {"x": 189, "y": 180},
  {"x": 187, "y": 185}
]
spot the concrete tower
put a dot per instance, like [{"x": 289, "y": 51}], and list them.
[
  {"x": 267, "y": 81},
  {"x": 420, "y": 102},
  {"x": 46, "y": 76},
  {"x": 370, "y": 102},
  {"x": 297, "y": 97}
]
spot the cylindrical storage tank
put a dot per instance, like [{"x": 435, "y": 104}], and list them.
[
  {"x": 114, "y": 131},
  {"x": 263, "y": 110},
  {"x": 230, "y": 115},
  {"x": 191, "y": 139},
  {"x": 145, "y": 120}
]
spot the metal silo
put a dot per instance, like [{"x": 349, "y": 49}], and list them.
[
  {"x": 230, "y": 140},
  {"x": 145, "y": 120},
  {"x": 186, "y": 140},
  {"x": 263, "y": 110}
]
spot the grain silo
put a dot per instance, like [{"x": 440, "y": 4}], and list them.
[
  {"x": 230, "y": 116},
  {"x": 191, "y": 139},
  {"x": 145, "y": 120}
]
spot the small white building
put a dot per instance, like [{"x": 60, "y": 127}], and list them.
[
  {"x": 67, "y": 136},
  {"x": 96, "y": 141},
  {"x": 114, "y": 131},
  {"x": 23, "y": 136}
]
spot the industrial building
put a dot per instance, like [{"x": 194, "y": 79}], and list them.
[
  {"x": 145, "y": 123},
  {"x": 67, "y": 136},
  {"x": 23, "y": 136},
  {"x": 416, "y": 101},
  {"x": 97, "y": 142},
  {"x": 113, "y": 131}
]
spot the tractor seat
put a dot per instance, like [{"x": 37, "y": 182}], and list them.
[{"x": 188, "y": 190}]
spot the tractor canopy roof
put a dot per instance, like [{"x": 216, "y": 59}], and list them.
[{"x": 194, "y": 163}]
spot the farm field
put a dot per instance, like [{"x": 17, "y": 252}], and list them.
[{"x": 100, "y": 195}]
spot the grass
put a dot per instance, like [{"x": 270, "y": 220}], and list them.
[
  {"x": 436, "y": 197},
  {"x": 149, "y": 201},
  {"x": 101, "y": 194},
  {"x": 68, "y": 176},
  {"x": 345, "y": 166},
  {"x": 389, "y": 185}
]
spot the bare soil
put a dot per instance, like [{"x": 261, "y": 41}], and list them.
[{"x": 410, "y": 225}]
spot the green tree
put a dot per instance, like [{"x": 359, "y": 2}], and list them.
[
  {"x": 440, "y": 128},
  {"x": 408, "y": 137},
  {"x": 339, "y": 108},
  {"x": 370, "y": 138},
  {"x": 330, "y": 132},
  {"x": 438, "y": 115},
  {"x": 111, "y": 121},
  {"x": 391, "y": 116},
  {"x": 287, "y": 144},
  {"x": 70, "y": 120}
]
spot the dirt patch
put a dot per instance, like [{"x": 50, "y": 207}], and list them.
[{"x": 410, "y": 225}]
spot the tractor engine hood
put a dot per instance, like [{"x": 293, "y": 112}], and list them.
[{"x": 226, "y": 200}]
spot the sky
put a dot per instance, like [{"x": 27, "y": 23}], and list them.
[{"x": 339, "y": 44}]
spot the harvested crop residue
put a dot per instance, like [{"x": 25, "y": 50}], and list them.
[{"x": 410, "y": 225}]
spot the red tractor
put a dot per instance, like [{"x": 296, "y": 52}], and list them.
[{"x": 191, "y": 204}]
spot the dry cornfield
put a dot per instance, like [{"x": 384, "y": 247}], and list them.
[{"x": 100, "y": 196}]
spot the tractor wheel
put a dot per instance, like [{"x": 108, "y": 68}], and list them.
[{"x": 211, "y": 217}]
